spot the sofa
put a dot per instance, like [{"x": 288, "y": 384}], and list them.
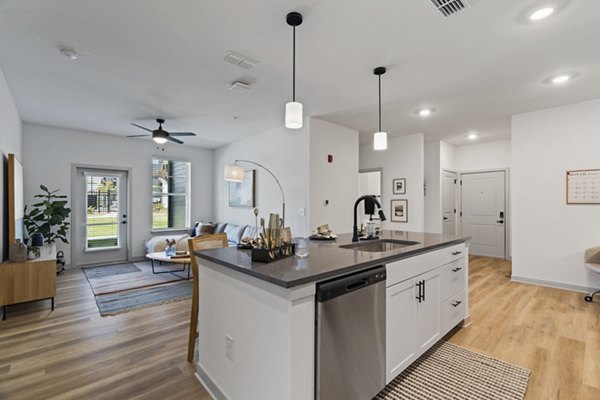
[{"x": 234, "y": 233}]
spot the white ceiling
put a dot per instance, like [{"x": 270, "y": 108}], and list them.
[{"x": 141, "y": 59}]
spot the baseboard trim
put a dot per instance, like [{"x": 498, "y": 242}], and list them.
[
  {"x": 551, "y": 284},
  {"x": 213, "y": 390}
]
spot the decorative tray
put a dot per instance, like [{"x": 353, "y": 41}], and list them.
[{"x": 319, "y": 237}]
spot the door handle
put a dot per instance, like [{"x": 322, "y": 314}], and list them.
[
  {"x": 457, "y": 303},
  {"x": 423, "y": 290},
  {"x": 456, "y": 269},
  {"x": 123, "y": 222},
  {"x": 445, "y": 218},
  {"x": 500, "y": 222},
  {"x": 420, "y": 291}
]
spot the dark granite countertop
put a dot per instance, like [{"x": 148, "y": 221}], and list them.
[{"x": 326, "y": 259}]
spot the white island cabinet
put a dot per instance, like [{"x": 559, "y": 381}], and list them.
[
  {"x": 421, "y": 309},
  {"x": 257, "y": 336}
]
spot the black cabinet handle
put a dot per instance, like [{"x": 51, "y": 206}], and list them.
[
  {"x": 500, "y": 222},
  {"x": 456, "y": 253},
  {"x": 423, "y": 290},
  {"x": 420, "y": 291},
  {"x": 456, "y": 269},
  {"x": 457, "y": 303}
]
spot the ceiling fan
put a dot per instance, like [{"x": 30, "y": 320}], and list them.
[{"x": 161, "y": 136}]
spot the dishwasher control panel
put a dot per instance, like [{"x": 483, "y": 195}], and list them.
[{"x": 349, "y": 283}]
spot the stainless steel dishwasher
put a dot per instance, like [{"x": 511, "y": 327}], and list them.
[{"x": 350, "y": 334}]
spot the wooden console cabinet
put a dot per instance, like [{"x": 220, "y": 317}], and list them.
[{"x": 22, "y": 282}]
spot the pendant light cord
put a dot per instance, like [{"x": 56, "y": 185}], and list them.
[
  {"x": 294, "y": 68},
  {"x": 379, "y": 103}
]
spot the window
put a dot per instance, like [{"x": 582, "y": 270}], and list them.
[{"x": 170, "y": 194}]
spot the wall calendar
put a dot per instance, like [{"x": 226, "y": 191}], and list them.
[{"x": 583, "y": 186}]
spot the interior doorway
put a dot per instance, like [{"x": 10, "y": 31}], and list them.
[
  {"x": 449, "y": 198},
  {"x": 483, "y": 202},
  {"x": 369, "y": 183},
  {"x": 100, "y": 228}
]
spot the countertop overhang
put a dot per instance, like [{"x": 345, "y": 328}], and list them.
[{"x": 326, "y": 259}]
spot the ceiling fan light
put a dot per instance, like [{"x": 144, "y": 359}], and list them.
[
  {"x": 380, "y": 141},
  {"x": 234, "y": 173},
  {"x": 293, "y": 115},
  {"x": 160, "y": 140}
]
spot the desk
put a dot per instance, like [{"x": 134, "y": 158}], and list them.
[{"x": 26, "y": 281}]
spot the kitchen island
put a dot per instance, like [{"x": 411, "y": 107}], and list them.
[{"x": 257, "y": 321}]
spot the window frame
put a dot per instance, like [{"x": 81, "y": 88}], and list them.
[{"x": 186, "y": 195}]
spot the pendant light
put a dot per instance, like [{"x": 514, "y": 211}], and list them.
[
  {"x": 380, "y": 137},
  {"x": 293, "y": 109}
]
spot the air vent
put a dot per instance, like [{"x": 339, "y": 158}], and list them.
[
  {"x": 240, "y": 60},
  {"x": 449, "y": 7}
]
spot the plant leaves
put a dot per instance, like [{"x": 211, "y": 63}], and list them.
[{"x": 44, "y": 188}]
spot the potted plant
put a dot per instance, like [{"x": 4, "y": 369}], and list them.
[{"x": 48, "y": 218}]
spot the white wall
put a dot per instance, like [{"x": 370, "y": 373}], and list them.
[
  {"x": 549, "y": 236},
  {"x": 337, "y": 181},
  {"x": 433, "y": 185},
  {"x": 49, "y": 152},
  {"x": 448, "y": 156},
  {"x": 286, "y": 153},
  {"x": 404, "y": 158},
  {"x": 10, "y": 142},
  {"x": 491, "y": 155}
]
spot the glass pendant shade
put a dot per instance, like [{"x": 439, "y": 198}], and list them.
[
  {"x": 380, "y": 141},
  {"x": 234, "y": 173},
  {"x": 293, "y": 115},
  {"x": 160, "y": 140}
]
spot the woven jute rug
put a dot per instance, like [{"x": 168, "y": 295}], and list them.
[{"x": 448, "y": 372}]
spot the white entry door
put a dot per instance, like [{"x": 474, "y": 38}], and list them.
[
  {"x": 449, "y": 184},
  {"x": 100, "y": 223},
  {"x": 483, "y": 212}
]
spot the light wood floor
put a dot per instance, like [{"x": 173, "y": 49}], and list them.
[{"x": 73, "y": 353}]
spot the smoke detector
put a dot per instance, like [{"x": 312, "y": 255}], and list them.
[
  {"x": 239, "y": 59},
  {"x": 70, "y": 53},
  {"x": 449, "y": 7}
]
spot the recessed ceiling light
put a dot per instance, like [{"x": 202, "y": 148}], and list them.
[
  {"x": 561, "y": 79},
  {"x": 541, "y": 13},
  {"x": 472, "y": 136},
  {"x": 425, "y": 112},
  {"x": 71, "y": 54}
]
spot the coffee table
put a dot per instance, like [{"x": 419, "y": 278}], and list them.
[{"x": 161, "y": 257}]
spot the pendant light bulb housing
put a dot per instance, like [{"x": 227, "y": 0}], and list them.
[
  {"x": 379, "y": 137},
  {"x": 293, "y": 115},
  {"x": 293, "y": 109}
]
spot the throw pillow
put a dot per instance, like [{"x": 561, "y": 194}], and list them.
[{"x": 205, "y": 229}]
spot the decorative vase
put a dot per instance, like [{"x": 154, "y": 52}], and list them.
[
  {"x": 170, "y": 250},
  {"x": 37, "y": 240},
  {"x": 17, "y": 252},
  {"x": 48, "y": 251}
]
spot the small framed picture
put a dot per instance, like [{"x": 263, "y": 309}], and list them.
[
  {"x": 399, "y": 211},
  {"x": 399, "y": 186}
]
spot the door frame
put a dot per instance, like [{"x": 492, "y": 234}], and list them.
[
  {"x": 128, "y": 189},
  {"x": 507, "y": 207},
  {"x": 457, "y": 200}
]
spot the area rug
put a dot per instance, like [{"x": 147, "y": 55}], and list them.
[
  {"x": 130, "y": 300},
  {"x": 447, "y": 371},
  {"x": 121, "y": 277}
]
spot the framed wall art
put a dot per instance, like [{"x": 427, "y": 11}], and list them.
[
  {"x": 399, "y": 186},
  {"x": 241, "y": 194},
  {"x": 399, "y": 211}
]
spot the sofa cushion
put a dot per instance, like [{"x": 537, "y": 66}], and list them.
[
  {"x": 182, "y": 243},
  {"x": 220, "y": 227},
  {"x": 234, "y": 233},
  {"x": 158, "y": 243},
  {"x": 205, "y": 228}
]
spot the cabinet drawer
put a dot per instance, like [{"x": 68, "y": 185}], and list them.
[
  {"x": 453, "y": 278},
  {"x": 453, "y": 311},
  {"x": 452, "y": 253},
  {"x": 399, "y": 271}
]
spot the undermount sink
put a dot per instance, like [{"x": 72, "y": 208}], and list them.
[{"x": 379, "y": 246}]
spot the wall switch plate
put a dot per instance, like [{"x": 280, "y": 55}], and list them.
[
  {"x": 229, "y": 347},
  {"x": 302, "y": 212}
]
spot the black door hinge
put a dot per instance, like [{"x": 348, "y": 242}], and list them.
[
  {"x": 455, "y": 181},
  {"x": 461, "y": 213}
]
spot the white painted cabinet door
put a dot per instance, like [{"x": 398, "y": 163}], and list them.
[
  {"x": 428, "y": 316},
  {"x": 400, "y": 327}
]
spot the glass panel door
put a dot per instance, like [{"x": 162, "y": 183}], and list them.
[{"x": 102, "y": 212}]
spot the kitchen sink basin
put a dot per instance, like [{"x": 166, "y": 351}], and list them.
[{"x": 379, "y": 246}]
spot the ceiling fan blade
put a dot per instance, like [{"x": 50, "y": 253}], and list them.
[
  {"x": 172, "y": 139},
  {"x": 141, "y": 127},
  {"x": 182, "y": 134},
  {"x": 139, "y": 135}
]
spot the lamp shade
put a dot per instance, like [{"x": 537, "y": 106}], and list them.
[
  {"x": 293, "y": 115},
  {"x": 234, "y": 173},
  {"x": 380, "y": 141},
  {"x": 160, "y": 140}
]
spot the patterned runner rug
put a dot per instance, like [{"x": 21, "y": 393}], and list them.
[{"x": 447, "y": 371}]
